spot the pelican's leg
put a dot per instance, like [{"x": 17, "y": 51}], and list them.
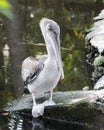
[
  {"x": 37, "y": 109},
  {"x": 33, "y": 97},
  {"x": 50, "y": 101},
  {"x": 51, "y": 94}
]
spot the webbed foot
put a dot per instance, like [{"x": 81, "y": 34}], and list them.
[{"x": 37, "y": 110}]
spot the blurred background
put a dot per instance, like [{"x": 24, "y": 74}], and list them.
[{"x": 20, "y": 36}]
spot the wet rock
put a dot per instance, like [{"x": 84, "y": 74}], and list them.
[
  {"x": 98, "y": 73},
  {"x": 74, "y": 106},
  {"x": 99, "y": 84},
  {"x": 100, "y": 16},
  {"x": 85, "y": 88}
]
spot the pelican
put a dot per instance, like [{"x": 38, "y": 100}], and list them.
[{"x": 41, "y": 74}]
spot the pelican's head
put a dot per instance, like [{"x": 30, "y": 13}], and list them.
[{"x": 51, "y": 32}]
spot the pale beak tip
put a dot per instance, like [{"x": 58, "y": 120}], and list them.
[{"x": 62, "y": 77}]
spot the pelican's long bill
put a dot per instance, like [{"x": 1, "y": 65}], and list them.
[
  {"x": 52, "y": 36},
  {"x": 55, "y": 42}
]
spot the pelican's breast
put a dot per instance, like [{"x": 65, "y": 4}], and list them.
[{"x": 47, "y": 79}]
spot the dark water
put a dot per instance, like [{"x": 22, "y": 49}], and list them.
[
  {"x": 17, "y": 122},
  {"x": 23, "y": 36}
]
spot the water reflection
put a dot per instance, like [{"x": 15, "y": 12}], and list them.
[
  {"x": 17, "y": 122},
  {"x": 38, "y": 124}
]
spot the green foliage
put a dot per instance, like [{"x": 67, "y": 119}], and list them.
[{"x": 6, "y": 9}]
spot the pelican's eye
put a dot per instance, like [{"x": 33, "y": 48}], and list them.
[{"x": 49, "y": 27}]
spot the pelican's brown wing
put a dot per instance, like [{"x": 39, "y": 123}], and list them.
[{"x": 31, "y": 67}]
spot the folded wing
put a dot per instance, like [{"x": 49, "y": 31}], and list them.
[{"x": 31, "y": 67}]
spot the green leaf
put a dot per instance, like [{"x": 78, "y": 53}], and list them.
[
  {"x": 6, "y": 9},
  {"x": 4, "y": 4}
]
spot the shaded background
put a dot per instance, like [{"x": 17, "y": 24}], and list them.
[{"x": 21, "y": 37}]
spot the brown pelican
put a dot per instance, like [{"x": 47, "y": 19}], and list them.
[{"x": 41, "y": 74}]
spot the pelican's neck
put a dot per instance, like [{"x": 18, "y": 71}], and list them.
[{"x": 50, "y": 51}]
